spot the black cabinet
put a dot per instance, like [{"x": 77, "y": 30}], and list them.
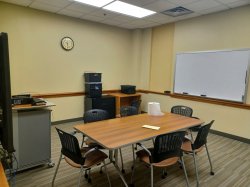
[{"x": 106, "y": 102}]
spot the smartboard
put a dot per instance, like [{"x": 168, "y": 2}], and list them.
[{"x": 213, "y": 74}]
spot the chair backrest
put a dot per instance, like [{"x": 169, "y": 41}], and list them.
[
  {"x": 137, "y": 104},
  {"x": 128, "y": 111},
  {"x": 70, "y": 147},
  {"x": 168, "y": 145},
  {"x": 95, "y": 115},
  {"x": 182, "y": 110},
  {"x": 201, "y": 138}
]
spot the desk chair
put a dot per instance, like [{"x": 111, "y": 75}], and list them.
[
  {"x": 127, "y": 111},
  {"x": 166, "y": 152},
  {"x": 137, "y": 104},
  {"x": 185, "y": 111},
  {"x": 92, "y": 116},
  {"x": 193, "y": 148},
  {"x": 84, "y": 158}
]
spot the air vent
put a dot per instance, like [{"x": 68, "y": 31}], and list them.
[{"x": 177, "y": 11}]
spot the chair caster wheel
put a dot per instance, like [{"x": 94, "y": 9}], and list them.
[
  {"x": 101, "y": 172},
  {"x": 86, "y": 176},
  {"x": 89, "y": 180},
  {"x": 131, "y": 185},
  {"x": 163, "y": 176},
  {"x": 132, "y": 167},
  {"x": 180, "y": 167},
  {"x": 123, "y": 171},
  {"x": 211, "y": 173}
]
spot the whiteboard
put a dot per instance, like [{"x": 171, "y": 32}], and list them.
[{"x": 213, "y": 74}]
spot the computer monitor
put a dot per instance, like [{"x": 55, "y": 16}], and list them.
[{"x": 6, "y": 127}]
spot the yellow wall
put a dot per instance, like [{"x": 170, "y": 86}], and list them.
[
  {"x": 161, "y": 57},
  {"x": 39, "y": 64},
  {"x": 225, "y": 30}
]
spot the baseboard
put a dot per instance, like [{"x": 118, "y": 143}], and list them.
[
  {"x": 241, "y": 139},
  {"x": 66, "y": 121}
]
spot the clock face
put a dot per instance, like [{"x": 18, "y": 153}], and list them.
[{"x": 67, "y": 43}]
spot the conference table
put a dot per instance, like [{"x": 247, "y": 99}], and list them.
[{"x": 116, "y": 133}]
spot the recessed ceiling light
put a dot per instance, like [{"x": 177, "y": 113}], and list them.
[
  {"x": 128, "y": 9},
  {"x": 98, "y": 3}
]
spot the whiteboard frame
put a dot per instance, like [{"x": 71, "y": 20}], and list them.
[{"x": 215, "y": 51}]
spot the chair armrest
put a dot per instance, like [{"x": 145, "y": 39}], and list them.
[
  {"x": 89, "y": 151},
  {"x": 143, "y": 147}
]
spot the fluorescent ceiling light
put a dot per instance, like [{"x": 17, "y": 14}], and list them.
[
  {"x": 128, "y": 9},
  {"x": 97, "y": 3}
]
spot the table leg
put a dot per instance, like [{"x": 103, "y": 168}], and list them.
[{"x": 115, "y": 161}]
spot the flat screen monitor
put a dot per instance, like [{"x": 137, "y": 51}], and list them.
[{"x": 6, "y": 127}]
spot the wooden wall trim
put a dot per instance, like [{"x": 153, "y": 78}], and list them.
[
  {"x": 212, "y": 101},
  {"x": 68, "y": 94},
  {"x": 177, "y": 96},
  {"x": 201, "y": 99}
]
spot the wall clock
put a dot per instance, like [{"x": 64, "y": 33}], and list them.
[{"x": 67, "y": 43}]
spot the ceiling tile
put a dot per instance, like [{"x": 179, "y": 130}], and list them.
[
  {"x": 160, "y": 5},
  {"x": 227, "y": 1},
  {"x": 182, "y": 2},
  {"x": 214, "y": 9},
  {"x": 44, "y": 7},
  {"x": 159, "y": 18},
  {"x": 81, "y": 8},
  {"x": 19, "y": 2},
  {"x": 239, "y": 3},
  {"x": 202, "y": 5},
  {"x": 92, "y": 18},
  {"x": 56, "y": 3},
  {"x": 125, "y": 18},
  {"x": 138, "y": 2},
  {"x": 71, "y": 13},
  {"x": 104, "y": 13}
]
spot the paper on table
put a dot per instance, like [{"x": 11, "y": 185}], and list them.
[
  {"x": 154, "y": 109},
  {"x": 151, "y": 127}
]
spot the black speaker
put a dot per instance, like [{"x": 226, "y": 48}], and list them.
[
  {"x": 106, "y": 102},
  {"x": 93, "y": 89}
]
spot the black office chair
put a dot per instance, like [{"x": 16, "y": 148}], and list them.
[
  {"x": 92, "y": 116},
  {"x": 185, "y": 111},
  {"x": 195, "y": 147},
  {"x": 182, "y": 110},
  {"x": 137, "y": 104},
  {"x": 128, "y": 111},
  {"x": 84, "y": 158},
  {"x": 166, "y": 152}
]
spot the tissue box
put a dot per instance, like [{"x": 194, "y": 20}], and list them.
[{"x": 128, "y": 89}]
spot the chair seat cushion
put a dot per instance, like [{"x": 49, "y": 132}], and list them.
[
  {"x": 187, "y": 147},
  {"x": 93, "y": 158},
  {"x": 144, "y": 157}
]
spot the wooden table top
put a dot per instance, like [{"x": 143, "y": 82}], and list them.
[{"x": 120, "y": 132}]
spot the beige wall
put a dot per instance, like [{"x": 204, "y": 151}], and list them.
[
  {"x": 161, "y": 57},
  {"x": 226, "y": 30},
  {"x": 40, "y": 65}
]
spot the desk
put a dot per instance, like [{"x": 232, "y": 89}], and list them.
[
  {"x": 3, "y": 179},
  {"x": 115, "y": 133},
  {"x": 122, "y": 99}
]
